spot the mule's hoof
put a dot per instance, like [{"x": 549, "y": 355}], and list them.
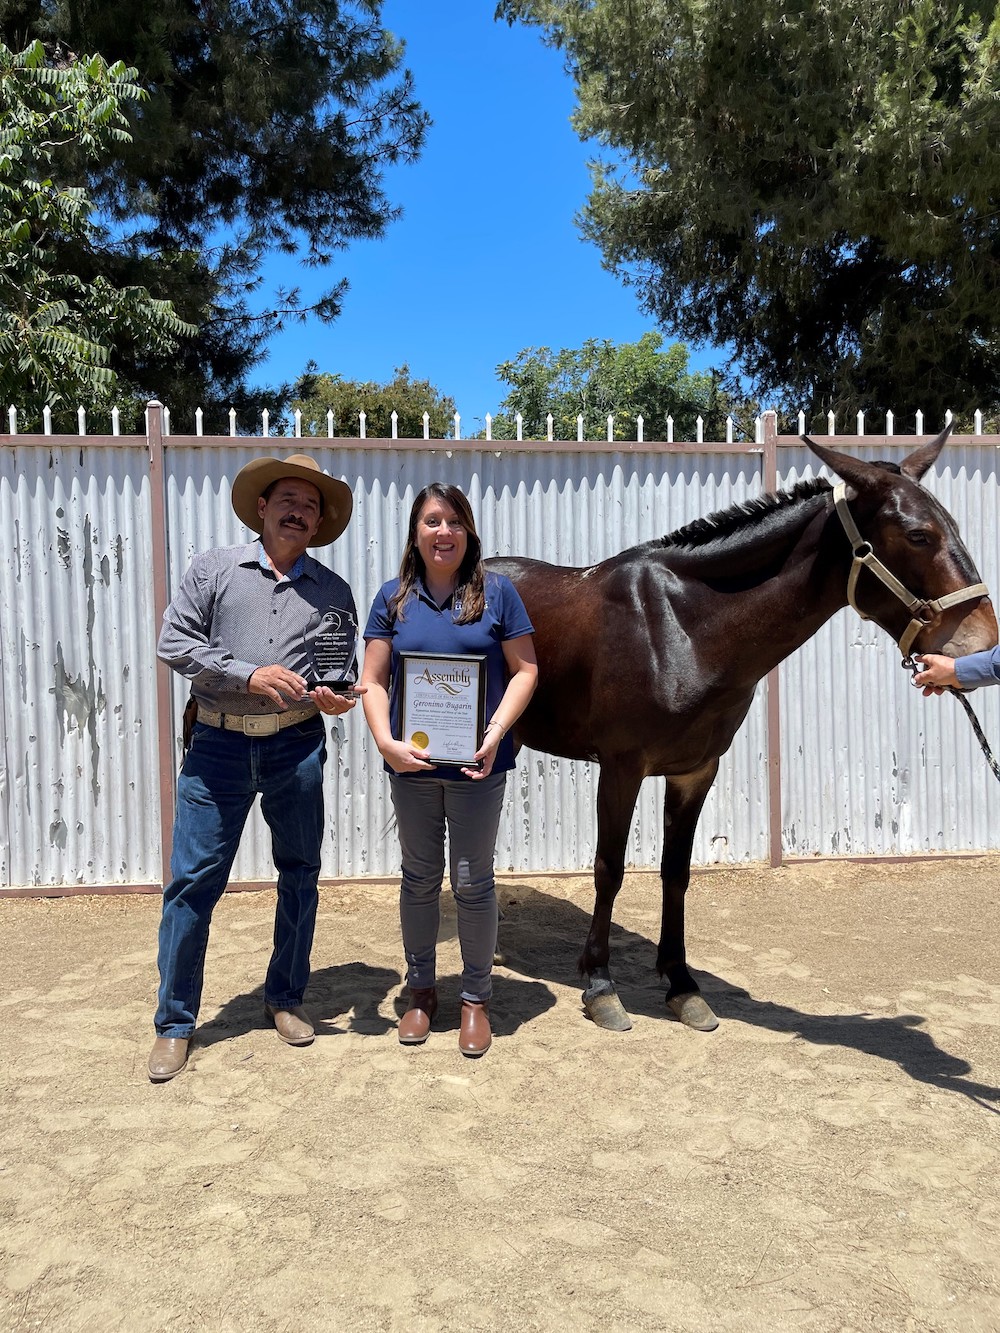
[
  {"x": 605, "y": 1009},
  {"x": 693, "y": 1012}
]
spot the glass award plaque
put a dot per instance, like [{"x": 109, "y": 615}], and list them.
[{"x": 335, "y": 653}]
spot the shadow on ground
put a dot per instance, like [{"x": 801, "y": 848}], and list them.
[
  {"x": 354, "y": 994},
  {"x": 541, "y": 936}
]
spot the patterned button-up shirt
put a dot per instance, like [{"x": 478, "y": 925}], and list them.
[{"x": 232, "y": 614}]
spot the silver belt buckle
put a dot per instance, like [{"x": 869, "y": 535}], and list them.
[{"x": 264, "y": 725}]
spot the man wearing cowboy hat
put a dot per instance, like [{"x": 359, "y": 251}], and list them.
[{"x": 245, "y": 629}]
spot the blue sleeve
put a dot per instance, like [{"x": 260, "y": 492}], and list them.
[
  {"x": 379, "y": 624},
  {"x": 514, "y": 619},
  {"x": 978, "y": 669}
]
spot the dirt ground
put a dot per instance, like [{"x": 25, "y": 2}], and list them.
[{"x": 828, "y": 1159}]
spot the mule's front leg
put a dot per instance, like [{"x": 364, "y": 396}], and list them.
[
  {"x": 617, "y": 790},
  {"x": 681, "y": 807}
]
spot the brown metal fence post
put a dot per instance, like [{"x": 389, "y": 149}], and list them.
[
  {"x": 165, "y": 744},
  {"x": 773, "y": 723}
]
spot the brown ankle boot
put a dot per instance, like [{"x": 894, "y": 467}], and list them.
[
  {"x": 416, "y": 1022},
  {"x": 475, "y": 1037}
]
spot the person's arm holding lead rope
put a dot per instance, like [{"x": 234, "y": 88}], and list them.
[
  {"x": 940, "y": 673},
  {"x": 934, "y": 673}
]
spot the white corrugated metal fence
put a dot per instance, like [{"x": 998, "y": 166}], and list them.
[{"x": 867, "y": 767}]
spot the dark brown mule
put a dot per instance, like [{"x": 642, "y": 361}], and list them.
[{"x": 647, "y": 662}]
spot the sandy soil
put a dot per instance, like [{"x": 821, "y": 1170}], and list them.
[{"x": 826, "y": 1160}]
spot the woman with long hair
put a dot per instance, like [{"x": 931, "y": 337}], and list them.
[{"x": 445, "y": 602}]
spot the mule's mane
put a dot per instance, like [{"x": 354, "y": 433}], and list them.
[{"x": 739, "y": 516}]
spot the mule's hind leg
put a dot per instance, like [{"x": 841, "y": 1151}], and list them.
[
  {"x": 681, "y": 807},
  {"x": 617, "y": 790}
]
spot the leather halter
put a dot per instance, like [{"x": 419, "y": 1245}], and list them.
[{"x": 922, "y": 612}]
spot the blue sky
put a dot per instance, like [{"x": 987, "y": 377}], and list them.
[{"x": 486, "y": 259}]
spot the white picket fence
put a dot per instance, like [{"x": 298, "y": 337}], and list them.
[{"x": 640, "y": 437}]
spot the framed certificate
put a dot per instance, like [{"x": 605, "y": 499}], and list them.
[{"x": 442, "y": 705}]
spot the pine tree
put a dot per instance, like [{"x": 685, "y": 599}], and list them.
[{"x": 814, "y": 186}]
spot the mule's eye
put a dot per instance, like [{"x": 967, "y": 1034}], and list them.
[{"x": 918, "y": 538}]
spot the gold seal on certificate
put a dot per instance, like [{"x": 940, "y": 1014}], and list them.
[{"x": 443, "y": 700}]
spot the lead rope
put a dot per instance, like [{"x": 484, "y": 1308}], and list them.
[{"x": 984, "y": 744}]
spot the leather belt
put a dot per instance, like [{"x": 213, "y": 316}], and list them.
[{"x": 255, "y": 724}]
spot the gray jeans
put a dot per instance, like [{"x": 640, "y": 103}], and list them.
[{"x": 471, "y": 811}]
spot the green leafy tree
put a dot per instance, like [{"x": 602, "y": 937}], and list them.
[
  {"x": 815, "y": 186},
  {"x": 267, "y": 127},
  {"x": 316, "y": 394},
  {"x": 56, "y": 328},
  {"x": 602, "y": 379}
]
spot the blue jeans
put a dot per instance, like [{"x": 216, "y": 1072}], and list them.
[
  {"x": 471, "y": 810},
  {"x": 222, "y": 775}
]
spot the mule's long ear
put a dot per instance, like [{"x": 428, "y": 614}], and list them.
[
  {"x": 916, "y": 464},
  {"x": 860, "y": 474}
]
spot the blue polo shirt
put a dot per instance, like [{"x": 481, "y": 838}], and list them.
[{"x": 427, "y": 628}]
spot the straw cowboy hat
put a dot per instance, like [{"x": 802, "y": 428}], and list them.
[{"x": 252, "y": 481}]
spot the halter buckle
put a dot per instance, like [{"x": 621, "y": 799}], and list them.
[{"x": 922, "y": 613}]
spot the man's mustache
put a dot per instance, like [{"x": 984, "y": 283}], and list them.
[{"x": 292, "y": 522}]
